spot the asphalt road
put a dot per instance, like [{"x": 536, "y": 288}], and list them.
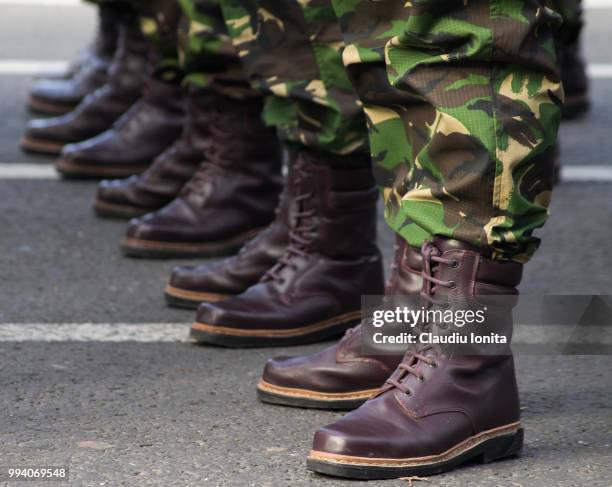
[{"x": 170, "y": 413}]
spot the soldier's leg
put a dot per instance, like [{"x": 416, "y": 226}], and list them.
[
  {"x": 291, "y": 52},
  {"x": 324, "y": 236},
  {"x": 230, "y": 157},
  {"x": 152, "y": 124},
  {"x": 463, "y": 102},
  {"x": 571, "y": 62},
  {"x": 59, "y": 92},
  {"x": 461, "y": 122},
  {"x": 98, "y": 111}
]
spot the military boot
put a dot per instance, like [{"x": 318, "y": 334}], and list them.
[
  {"x": 99, "y": 110},
  {"x": 64, "y": 90},
  {"x": 129, "y": 147},
  {"x": 170, "y": 171},
  {"x": 229, "y": 200},
  {"x": 439, "y": 409},
  {"x": 575, "y": 81},
  {"x": 103, "y": 44},
  {"x": 190, "y": 286},
  {"x": 314, "y": 290},
  {"x": 341, "y": 376}
]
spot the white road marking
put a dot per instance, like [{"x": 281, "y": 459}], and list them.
[
  {"x": 583, "y": 174},
  {"x": 588, "y": 4},
  {"x": 600, "y": 71},
  {"x": 569, "y": 174},
  {"x": 94, "y": 332},
  {"x": 18, "y": 170},
  {"x": 30, "y": 68},
  {"x": 551, "y": 335},
  {"x": 23, "y": 67},
  {"x": 46, "y": 3},
  {"x": 593, "y": 4}
]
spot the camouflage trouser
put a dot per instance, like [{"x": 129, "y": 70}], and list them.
[
  {"x": 193, "y": 44},
  {"x": 462, "y": 101},
  {"x": 571, "y": 12},
  {"x": 292, "y": 51},
  {"x": 463, "y": 104}
]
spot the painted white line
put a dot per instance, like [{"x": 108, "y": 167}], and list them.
[
  {"x": 560, "y": 334},
  {"x": 23, "y": 67},
  {"x": 94, "y": 332},
  {"x": 47, "y": 3},
  {"x": 30, "y": 68},
  {"x": 588, "y": 4},
  {"x": 593, "y": 4},
  {"x": 179, "y": 332},
  {"x": 600, "y": 71},
  {"x": 569, "y": 174},
  {"x": 18, "y": 170},
  {"x": 575, "y": 174}
]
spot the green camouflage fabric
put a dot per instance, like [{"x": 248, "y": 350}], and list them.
[
  {"x": 193, "y": 45},
  {"x": 571, "y": 28},
  {"x": 206, "y": 53},
  {"x": 292, "y": 51},
  {"x": 463, "y": 102},
  {"x": 159, "y": 22}
]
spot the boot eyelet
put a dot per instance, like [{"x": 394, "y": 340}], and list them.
[
  {"x": 455, "y": 264},
  {"x": 421, "y": 378},
  {"x": 452, "y": 284},
  {"x": 433, "y": 365},
  {"x": 408, "y": 393}
]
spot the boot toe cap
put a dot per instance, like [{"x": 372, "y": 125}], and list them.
[
  {"x": 192, "y": 278},
  {"x": 211, "y": 279},
  {"x": 116, "y": 191},
  {"x": 356, "y": 434},
  {"x": 56, "y": 91},
  {"x": 142, "y": 229},
  {"x": 280, "y": 371}
]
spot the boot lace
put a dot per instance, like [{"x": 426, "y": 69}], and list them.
[
  {"x": 218, "y": 152},
  {"x": 410, "y": 363},
  {"x": 301, "y": 234}
]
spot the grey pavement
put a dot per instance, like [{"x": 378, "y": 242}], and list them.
[{"x": 165, "y": 414}]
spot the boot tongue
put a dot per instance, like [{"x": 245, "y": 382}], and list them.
[
  {"x": 303, "y": 209},
  {"x": 445, "y": 244}
]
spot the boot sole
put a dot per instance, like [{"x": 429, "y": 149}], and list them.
[
  {"x": 117, "y": 211},
  {"x": 242, "y": 338},
  {"x": 305, "y": 398},
  {"x": 41, "y": 107},
  {"x": 134, "y": 247},
  {"x": 182, "y": 298},
  {"x": 486, "y": 447},
  {"x": 575, "y": 106},
  {"x": 41, "y": 146},
  {"x": 70, "y": 170}
]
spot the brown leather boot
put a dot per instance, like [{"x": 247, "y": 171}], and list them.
[
  {"x": 437, "y": 410},
  {"x": 314, "y": 290},
  {"x": 99, "y": 110},
  {"x": 190, "y": 286},
  {"x": 575, "y": 81},
  {"x": 229, "y": 200},
  {"x": 161, "y": 183},
  {"x": 129, "y": 147},
  {"x": 62, "y": 92},
  {"x": 103, "y": 44},
  {"x": 341, "y": 376}
]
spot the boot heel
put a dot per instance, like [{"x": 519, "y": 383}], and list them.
[{"x": 503, "y": 447}]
